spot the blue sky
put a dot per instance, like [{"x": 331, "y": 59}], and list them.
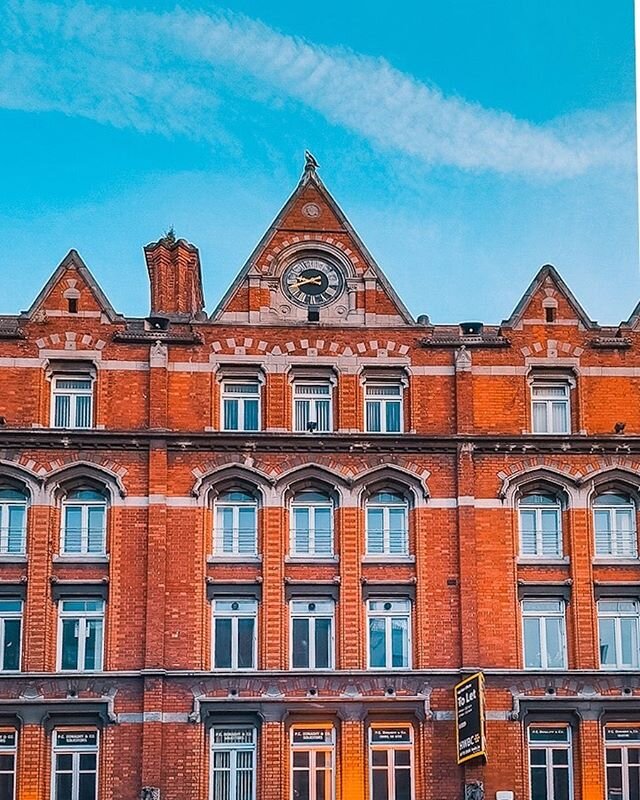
[{"x": 469, "y": 143}]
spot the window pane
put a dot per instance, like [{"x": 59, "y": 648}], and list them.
[
  {"x": 247, "y": 532},
  {"x": 245, "y": 642},
  {"x": 393, "y": 416},
  {"x": 323, "y": 417},
  {"x": 373, "y": 416},
  {"x": 63, "y": 786},
  {"x": 62, "y": 411},
  {"x": 380, "y": 785},
  {"x": 69, "y": 644},
  {"x": 540, "y": 419},
  {"x": 400, "y": 642},
  {"x": 11, "y": 653},
  {"x": 398, "y": 531},
  {"x": 560, "y": 423},
  {"x": 93, "y": 646},
  {"x": 528, "y": 531},
  {"x": 555, "y": 643},
  {"x": 231, "y": 415},
  {"x": 15, "y": 533},
  {"x": 87, "y": 786},
  {"x": 377, "y": 654},
  {"x": 323, "y": 643},
  {"x": 222, "y": 643},
  {"x": 301, "y": 529},
  {"x": 96, "y": 529},
  {"x": 323, "y": 533},
  {"x": 300, "y": 653},
  {"x": 375, "y": 523},
  {"x": 532, "y": 644},
  {"x": 550, "y": 532},
  {"x": 83, "y": 411},
  {"x": 607, "y": 642},
  {"x": 403, "y": 784},
  {"x": 6, "y": 785},
  {"x": 629, "y": 641},
  {"x": 301, "y": 785},
  {"x": 251, "y": 415},
  {"x": 301, "y": 408},
  {"x": 539, "y": 784},
  {"x": 72, "y": 529}
]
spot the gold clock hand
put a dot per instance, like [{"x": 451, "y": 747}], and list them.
[{"x": 303, "y": 281}]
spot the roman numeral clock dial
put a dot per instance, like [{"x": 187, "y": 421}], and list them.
[{"x": 312, "y": 282}]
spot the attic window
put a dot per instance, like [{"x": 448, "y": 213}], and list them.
[
  {"x": 549, "y": 314},
  {"x": 72, "y": 304}
]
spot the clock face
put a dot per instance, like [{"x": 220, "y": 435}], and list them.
[{"x": 313, "y": 281}]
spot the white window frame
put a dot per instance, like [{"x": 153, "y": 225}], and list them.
[
  {"x": 234, "y": 615},
  {"x": 10, "y": 750},
  {"x": 218, "y": 532},
  {"x": 617, "y": 546},
  {"x": 312, "y": 616},
  {"x": 389, "y": 748},
  {"x": 388, "y": 615},
  {"x": 75, "y": 751},
  {"x": 383, "y": 401},
  {"x": 538, "y": 509},
  {"x": 73, "y": 395},
  {"x": 233, "y": 748},
  {"x": 624, "y": 763},
  {"x": 311, "y": 505},
  {"x": 300, "y": 394},
  {"x": 549, "y": 767},
  {"x": 386, "y": 526},
  {"x": 82, "y": 618},
  {"x": 5, "y": 505},
  {"x": 617, "y": 616},
  {"x": 543, "y": 616},
  {"x": 549, "y": 401},
  {"x": 84, "y": 506},
  {"x": 240, "y": 397},
  {"x": 313, "y": 749},
  {"x": 7, "y": 615}
]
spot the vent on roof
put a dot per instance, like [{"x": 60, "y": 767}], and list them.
[
  {"x": 157, "y": 323},
  {"x": 471, "y": 328}
]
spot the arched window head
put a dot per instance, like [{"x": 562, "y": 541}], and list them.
[
  {"x": 84, "y": 522},
  {"x": 387, "y": 524},
  {"x": 540, "y": 525},
  {"x": 235, "y": 523},
  {"x": 311, "y": 524},
  {"x": 614, "y": 522},
  {"x": 13, "y": 520}
]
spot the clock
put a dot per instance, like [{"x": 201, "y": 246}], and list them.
[{"x": 312, "y": 281}]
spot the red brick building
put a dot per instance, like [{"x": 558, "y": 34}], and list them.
[{"x": 249, "y": 555}]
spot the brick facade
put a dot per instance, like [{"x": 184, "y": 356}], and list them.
[{"x": 463, "y": 455}]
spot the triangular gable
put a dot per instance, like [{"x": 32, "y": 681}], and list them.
[
  {"x": 72, "y": 280},
  {"x": 548, "y": 289},
  {"x": 311, "y": 215}
]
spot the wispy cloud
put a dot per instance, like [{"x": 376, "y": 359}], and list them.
[{"x": 171, "y": 73}]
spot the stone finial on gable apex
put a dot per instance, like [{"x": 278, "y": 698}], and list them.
[{"x": 310, "y": 163}]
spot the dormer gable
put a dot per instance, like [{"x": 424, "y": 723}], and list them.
[
  {"x": 71, "y": 291},
  {"x": 548, "y": 300},
  {"x": 311, "y": 266}
]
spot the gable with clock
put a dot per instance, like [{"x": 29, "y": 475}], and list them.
[{"x": 311, "y": 266}]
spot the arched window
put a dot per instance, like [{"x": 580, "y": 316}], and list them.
[
  {"x": 387, "y": 524},
  {"x": 311, "y": 524},
  {"x": 235, "y": 526},
  {"x": 13, "y": 520},
  {"x": 84, "y": 522},
  {"x": 540, "y": 525},
  {"x": 614, "y": 521}
]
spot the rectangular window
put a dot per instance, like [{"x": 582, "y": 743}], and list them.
[
  {"x": 550, "y": 407},
  {"x": 80, "y": 634},
  {"x": 391, "y": 763},
  {"x": 8, "y": 742},
  {"x": 550, "y": 768},
  {"x": 618, "y": 622},
  {"x": 233, "y": 763},
  {"x": 72, "y": 402},
  {"x": 312, "y": 527},
  {"x": 240, "y": 406},
  {"x": 236, "y": 525},
  {"x": 622, "y": 748},
  {"x": 234, "y": 633},
  {"x": 312, "y": 634},
  {"x": 10, "y": 633},
  {"x": 312, "y": 763},
  {"x": 543, "y": 626},
  {"x": 13, "y": 521},
  {"x": 383, "y": 407},
  {"x": 75, "y": 765},
  {"x": 312, "y": 407},
  {"x": 389, "y": 633},
  {"x": 84, "y": 527}
]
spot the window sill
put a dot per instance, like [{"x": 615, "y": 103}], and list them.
[
  {"x": 616, "y": 561},
  {"x": 79, "y": 558},
  {"x": 388, "y": 558},
  {"x": 307, "y": 557},
  {"x": 13, "y": 558},
  {"x": 542, "y": 561},
  {"x": 239, "y": 558}
]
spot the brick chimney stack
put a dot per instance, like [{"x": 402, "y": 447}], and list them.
[{"x": 175, "y": 277}]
